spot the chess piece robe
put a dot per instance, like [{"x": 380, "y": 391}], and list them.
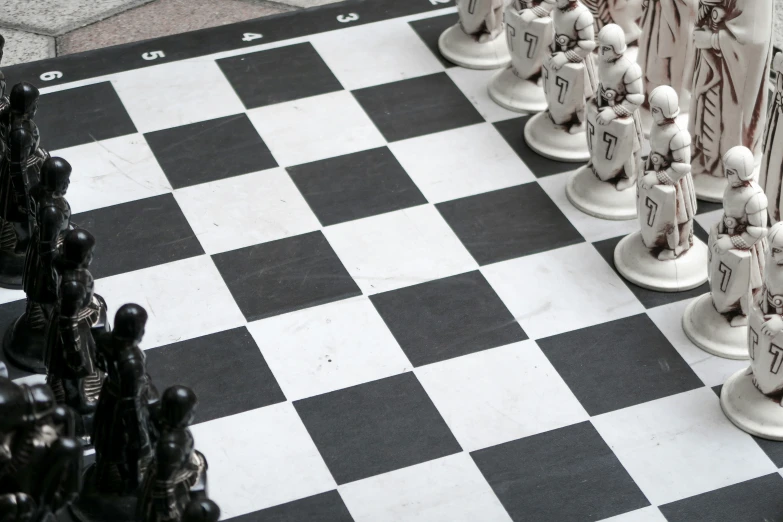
[
  {"x": 664, "y": 255},
  {"x": 606, "y": 186},
  {"x": 733, "y": 41},
  {"x": 771, "y": 173},
  {"x": 569, "y": 80},
  {"x": 717, "y": 322},
  {"x": 476, "y": 41},
  {"x": 528, "y": 32},
  {"x": 751, "y": 397}
]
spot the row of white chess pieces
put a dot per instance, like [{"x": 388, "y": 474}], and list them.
[{"x": 546, "y": 60}]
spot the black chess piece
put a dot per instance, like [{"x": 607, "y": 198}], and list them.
[
  {"x": 201, "y": 510},
  {"x": 70, "y": 351},
  {"x": 24, "y": 341},
  {"x": 177, "y": 474}
]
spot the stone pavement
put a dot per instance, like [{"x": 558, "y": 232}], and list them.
[{"x": 38, "y": 29}]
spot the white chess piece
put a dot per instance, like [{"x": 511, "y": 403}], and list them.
[
  {"x": 529, "y": 30},
  {"x": 664, "y": 46},
  {"x": 625, "y": 13},
  {"x": 664, "y": 255},
  {"x": 733, "y": 49},
  {"x": 476, "y": 42},
  {"x": 771, "y": 173},
  {"x": 717, "y": 321},
  {"x": 569, "y": 80},
  {"x": 751, "y": 397},
  {"x": 606, "y": 186}
]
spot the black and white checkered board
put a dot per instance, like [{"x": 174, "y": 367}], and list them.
[{"x": 388, "y": 308}]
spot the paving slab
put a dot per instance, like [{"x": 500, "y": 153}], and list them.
[
  {"x": 22, "y": 47},
  {"x": 308, "y": 3},
  {"x": 162, "y": 18}
]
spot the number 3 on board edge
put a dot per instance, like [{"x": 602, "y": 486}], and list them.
[{"x": 350, "y": 17}]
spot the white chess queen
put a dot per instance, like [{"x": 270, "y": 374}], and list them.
[
  {"x": 751, "y": 397},
  {"x": 476, "y": 42},
  {"x": 519, "y": 86},
  {"x": 717, "y": 321},
  {"x": 664, "y": 255},
  {"x": 606, "y": 186},
  {"x": 771, "y": 173},
  {"x": 569, "y": 80}
]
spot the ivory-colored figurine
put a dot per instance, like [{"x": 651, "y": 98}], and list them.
[
  {"x": 733, "y": 42},
  {"x": 771, "y": 173},
  {"x": 625, "y": 13},
  {"x": 518, "y": 87},
  {"x": 664, "y": 255},
  {"x": 569, "y": 80},
  {"x": 476, "y": 41},
  {"x": 606, "y": 186},
  {"x": 716, "y": 322},
  {"x": 751, "y": 397}
]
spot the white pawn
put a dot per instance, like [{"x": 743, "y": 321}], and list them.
[
  {"x": 528, "y": 31},
  {"x": 606, "y": 186},
  {"x": 751, "y": 397},
  {"x": 717, "y": 322},
  {"x": 664, "y": 255},
  {"x": 569, "y": 80},
  {"x": 476, "y": 41}
]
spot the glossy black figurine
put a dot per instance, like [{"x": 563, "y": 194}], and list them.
[
  {"x": 177, "y": 474},
  {"x": 24, "y": 340}
]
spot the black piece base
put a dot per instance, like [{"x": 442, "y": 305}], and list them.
[
  {"x": 24, "y": 347},
  {"x": 93, "y": 506},
  {"x": 11, "y": 270}
]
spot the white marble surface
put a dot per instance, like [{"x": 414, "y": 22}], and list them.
[
  {"x": 23, "y": 47},
  {"x": 55, "y": 17}
]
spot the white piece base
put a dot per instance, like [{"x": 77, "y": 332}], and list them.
[
  {"x": 464, "y": 50},
  {"x": 600, "y": 199},
  {"x": 515, "y": 94},
  {"x": 647, "y": 120},
  {"x": 637, "y": 264},
  {"x": 749, "y": 409},
  {"x": 709, "y": 188},
  {"x": 553, "y": 142},
  {"x": 712, "y": 332}
]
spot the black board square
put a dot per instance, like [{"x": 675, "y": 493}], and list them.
[
  {"x": 324, "y": 507},
  {"x": 430, "y": 29},
  {"x": 513, "y": 132}
]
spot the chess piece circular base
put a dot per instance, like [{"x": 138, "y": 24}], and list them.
[
  {"x": 11, "y": 270},
  {"x": 599, "y": 198},
  {"x": 709, "y": 188},
  {"x": 24, "y": 347},
  {"x": 749, "y": 409},
  {"x": 466, "y": 51},
  {"x": 647, "y": 120},
  {"x": 516, "y": 94},
  {"x": 554, "y": 141},
  {"x": 637, "y": 264},
  {"x": 93, "y": 506},
  {"x": 712, "y": 332}
]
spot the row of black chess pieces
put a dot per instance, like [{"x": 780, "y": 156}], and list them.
[{"x": 97, "y": 387}]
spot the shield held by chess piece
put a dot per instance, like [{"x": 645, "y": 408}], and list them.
[
  {"x": 528, "y": 41},
  {"x": 657, "y": 214},
  {"x": 564, "y": 91},
  {"x": 609, "y": 144},
  {"x": 729, "y": 275},
  {"x": 766, "y": 354}
]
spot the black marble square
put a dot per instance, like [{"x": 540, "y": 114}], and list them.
[
  {"x": 355, "y": 186},
  {"x": 619, "y": 364},
  {"x": 82, "y": 115},
  {"x": 513, "y": 132},
  {"x": 567, "y": 474},
  {"x": 226, "y": 370},
  {"x": 417, "y": 106},
  {"x": 430, "y": 29},
  {"x": 376, "y": 427},
  {"x": 447, "y": 318},
  {"x": 650, "y": 298},
  {"x": 9, "y": 312},
  {"x": 509, "y": 223},
  {"x": 138, "y": 234},
  {"x": 285, "y": 275},
  {"x": 279, "y": 75},
  {"x": 756, "y": 500},
  {"x": 324, "y": 507},
  {"x": 210, "y": 150}
]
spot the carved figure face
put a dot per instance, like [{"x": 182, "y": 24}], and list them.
[
  {"x": 657, "y": 115},
  {"x": 606, "y": 53},
  {"x": 776, "y": 251},
  {"x": 733, "y": 176}
]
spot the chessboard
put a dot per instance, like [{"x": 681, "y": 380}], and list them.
[{"x": 383, "y": 299}]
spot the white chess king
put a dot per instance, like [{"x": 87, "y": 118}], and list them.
[
  {"x": 519, "y": 86},
  {"x": 717, "y": 321},
  {"x": 606, "y": 186},
  {"x": 751, "y": 398},
  {"x": 665, "y": 255},
  {"x": 477, "y": 42},
  {"x": 569, "y": 80},
  {"x": 771, "y": 173}
]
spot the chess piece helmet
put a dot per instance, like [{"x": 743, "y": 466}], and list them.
[
  {"x": 22, "y": 404},
  {"x": 775, "y": 241},
  {"x": 56, "y": 175},
  {"x": 738, "y": 164},
  {"x": 24, "y": 99},
  {"x": 2, "y": 46},
  {"x": 611, "y": 42},
  {"x": 664, "y": 103},
  {"x": 177, "y": 407},
  {"x": 201, "y": 510},
  {"x": 129, "y": 322},
  {"x": 78, "y": 247}
]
